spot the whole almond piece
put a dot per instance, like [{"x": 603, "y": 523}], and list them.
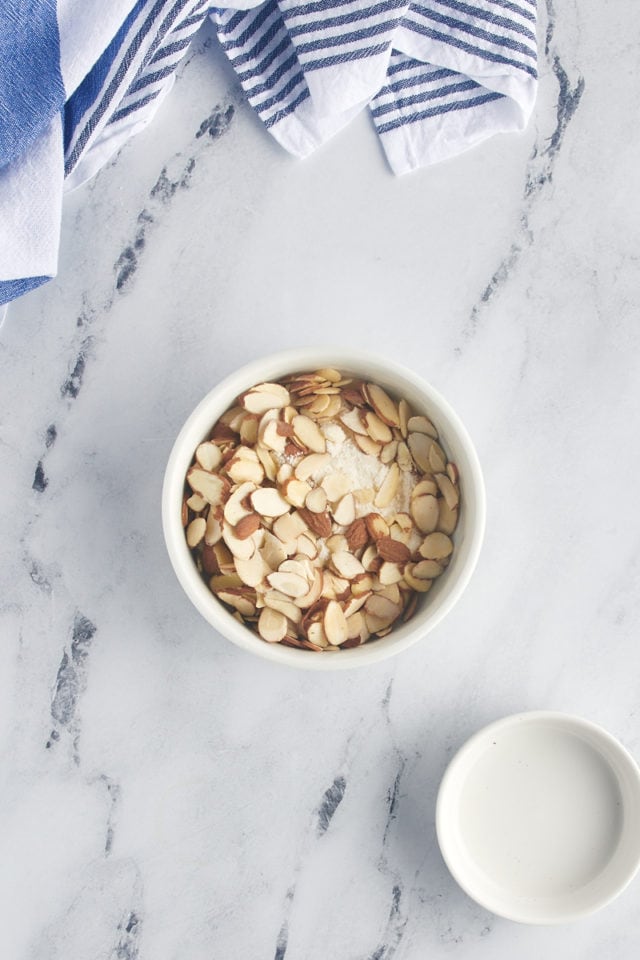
[
  {"x": 247, "y": 526},
  {"x": 357, "y": 535},
  {"x": 320, "y": 523},
  {"x": 394, "y": 550},
  {"x": 376, "y": 525},
  {"x": 335, "y": 624}
]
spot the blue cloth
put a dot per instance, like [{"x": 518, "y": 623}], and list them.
[{"x": 78, "y": 77}]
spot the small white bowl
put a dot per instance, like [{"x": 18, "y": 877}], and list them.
[
  {"x": 422, "y": 398},
  {"x": 538, "y": 817}
]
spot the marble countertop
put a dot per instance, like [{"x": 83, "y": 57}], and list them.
[{"x": 166, "y": 796}]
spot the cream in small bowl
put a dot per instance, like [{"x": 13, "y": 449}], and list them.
[{"x": 301, "y": 491}]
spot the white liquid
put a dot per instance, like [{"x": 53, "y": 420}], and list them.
[{"x": 540, "y": 812}]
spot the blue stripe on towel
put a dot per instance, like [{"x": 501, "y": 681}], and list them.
[
  {"x": 472, "y": 48},
  {"x": 436, "y": 111}
]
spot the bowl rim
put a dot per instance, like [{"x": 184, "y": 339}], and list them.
[
  {"x": 213, "y": 404},
  {"x": 620, "y": 763}
]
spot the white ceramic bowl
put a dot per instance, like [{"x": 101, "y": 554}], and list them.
[
  {"x": 422, "y": 398},
  {"x": 538, "y": 817}
]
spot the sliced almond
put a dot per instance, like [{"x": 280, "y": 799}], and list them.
[
  {"x": 208, "y": 456},
  {"x": 224, "y": 558},
  {"x": 272, "y": 550},
  {"x": 367, "y": 445},
  {"x": 243, "y": 469},
  {"x": 416, "y": 583},
  {"x": 223, "y": 581},
  {"x": 377, "y": 428},
  {"x": 333, "y": 408},
  {"x": 355, "y": 625},
  {"x": 453, "y": 473},
  {"x": 422, "y": 425},
  {"x": 313, "y": 594},
  {"x": 362, "y": 585},
  {"x": 347, "y": 565},
  {"x": 195, "y": 531},
  {"x": 424, "y": 511},
  {"x": 309, "y": 434},
  {"x": 239, "y": 601},
  {"x": 436, "y": 546},
  {"x": 311, "y": 465},
  {"x": 447, "y": 518},
  {"x": 335, "y": 624},
  {"x": 316, "y": 500},
  {"x": 355, "y": 603},
  {"x": 252, "y": 570},
  {"x": 377, "y": 526},
  {"x": 336, "y": 485},
  {"x": 269, "y": 463},
  {"x": 425, "y": 486},
  {"x": 249, "y": 429},
  {"x": 448, "y": 490},
  {"x": 289, "y": 527},
  {"x": 353, "y": 420},
  {"x": 266, "y": 396},
  {"x": 437, "y": 459},
  {"x": 307, "y": 546},
  {"x": 389, "y": 487},
  {"x": 364, "y": 495},
  {"x": 318, "y": 405},
  {"x": 290, "y": 584},
  {"x": 295, "y": 491},
  {"x": 419, "y": 445},
  {"x": 184, "y": 513},
  {"x": 344, "y": 512},
  {"x": 236, "y": 506},
  {"x": 268, "y": 502},
  {"x": 196, "y": 502},
  {"x": 390, "y": 573},
  {"x": 285, "y": 472},
  {"x": 211, "y": 486},
  {"x": 272, "y": 438},
  {"x": 213, "y": 533},
  {"x": 404, "y": 415},
  {"x": 278, "y": 601},
  {"x": 382, "y": 608},
  {"x": 241, "y": 549},
  {"x": 337, "y": 543},
  {"x": 272, "y": 625},
  {"x": 427, "y": 569},
  {"x": 317, "y": 636},
  {"x": 404, "y": 458},
  {"x": 382, "y": 404},
  {"x": 389, "y": 451}
]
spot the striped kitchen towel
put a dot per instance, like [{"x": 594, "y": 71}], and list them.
[
  {"x": 78, "y": 77},
  {"x": 438, "y": 76}
]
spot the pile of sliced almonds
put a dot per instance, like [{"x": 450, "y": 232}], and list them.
[{"x": 315, "y": 564}]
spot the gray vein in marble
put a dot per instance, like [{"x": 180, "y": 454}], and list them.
[
  {"x": 330, "y": 802},
  {"x": 71, "y": 681},
  {"x": 114, "y": 791},
  {"x": 283, "y": 934},
  {"x": 128, "y": 945},
  {"x": 394, "y": 930},
  {"x": 539, "y": 173}
]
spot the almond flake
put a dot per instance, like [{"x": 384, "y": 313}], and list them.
[
  {"x": 242, "y": 470},
  {"x": 449, "y": 492},
  {"x": 389, "y": 487},
  {"x": 424, "y": 511},
  {"x": 422, "y": 425},
  {"x": 211, "y": 486},
  {"x": 272, "y": 625},
  {"x": 421, "y": 586},
  {"x": 336, "y": 485},
  {"x": 377, "y": 429},
  {"x": 236, "y": 506},
  {"x": 389, "y": 452},
  {"x": 376, "y": 525},
  {"x": 295, "y": 491},
  {"x": 367, "y": 445},
  {"x": 196, "y": 502},
  {"x": 288, "y": 583},
  {"x": 352, "y": 420},
  {"x": 309, "y": 434},
  {"x": 316, "y": 500},
  {"x": 208, "y": 455},
  {"x": 271, "y": 437},
  {"x": 268, "y": 502},
  {"x": 252, "y": 571},
  {"x": 272, "y": 550},
  {"x": 404, "y": 415},
  {"x": 447, "y": 518},
  {"x": 436, "y": 546},
  {"x": 266, "y": 396},
  {"x": 426, "y": 569},
  {"x": 278, "y": 601},
  {"x": 195, "y": 531},
  {"x": 346, "y": 564},
  {"x": 239, "y": 601},
  {"x": 425, "y": 486},
  {"x": 289, "y": 526},
  {"x": 419, "y": 445},
  {"x": 382, "y": 404},
  {"x": 311, "y": 465},
  {"x": 213, "y": 533},
  {"x": 437, "y": 459},
  {"x": 317, "y": 636},
  {"x": 249, "y": 428},
  {"x": 247, "y": 526},
  {"x": 345, "y": 511},
  {"x": 404, "y": 458},
  {"x": 390, "y": 573},
  {"x": 335, "y": 624}
]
